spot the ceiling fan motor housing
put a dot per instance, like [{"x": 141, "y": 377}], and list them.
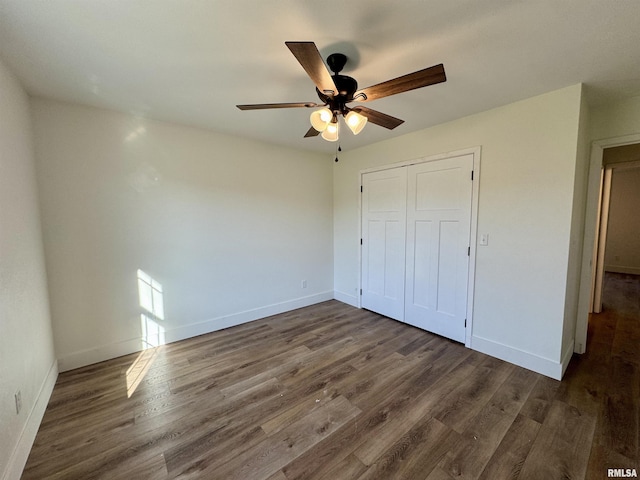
[
  {"x": 346, "y": 85},
  {"x": 336, "y": 62}
]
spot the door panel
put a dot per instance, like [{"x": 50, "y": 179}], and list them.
[
  {"x": 447, "y": 267},
  {"x": 384, "y": 205},
  {"x": 439, "y": 197},
  {"x": 422, "y": 255},
  {"x": 437, "y": 189}
]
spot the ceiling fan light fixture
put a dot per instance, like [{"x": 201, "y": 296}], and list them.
[
  {"x": 330, "y": 134},
  {"x": 355, "y": 121},
  {"x": 320, "y": 119}
]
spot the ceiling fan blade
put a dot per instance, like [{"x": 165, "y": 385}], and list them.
[
  {"x": 379, "y": 118},
  {"x": 411, "y": 81},
  {"x": 309, "y": 57},
  {"x": 263, "y": 106},
  {"x": 312, "y": 132}
]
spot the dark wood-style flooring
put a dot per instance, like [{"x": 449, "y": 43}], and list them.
[{"x": 333, "y": 392}]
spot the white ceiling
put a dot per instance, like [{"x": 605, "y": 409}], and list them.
[{"x": 192, "y": 61}]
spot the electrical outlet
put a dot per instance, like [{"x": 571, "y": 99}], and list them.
[
  {"x": 18, "y": 397},
  {"x": 304, "y": 284}
]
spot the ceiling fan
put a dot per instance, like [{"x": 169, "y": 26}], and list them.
[{"x": 336, "y": 91}]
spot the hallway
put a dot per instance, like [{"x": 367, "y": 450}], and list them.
[{"x": 605, "y": 381}]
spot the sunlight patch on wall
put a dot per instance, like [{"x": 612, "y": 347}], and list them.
[
  {"x": 134, "y": 134},
  {"x": 151, "y": 300}
]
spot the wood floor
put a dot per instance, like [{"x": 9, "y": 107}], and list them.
[{"x": 333, "y": 392}]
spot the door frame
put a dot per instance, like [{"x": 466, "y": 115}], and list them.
[
  {"x": 475, "y": 189},
  {"x": 591, "y": 233},
  {"x": 602, "y": 225}
]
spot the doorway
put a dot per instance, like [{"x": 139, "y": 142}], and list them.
[
  {"x": 621, "y": 155},
  {"x": 620, "y": 237}
]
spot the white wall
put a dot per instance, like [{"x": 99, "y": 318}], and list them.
[
  {"x": 527, "y": 183},
  {"x": 623, "y": 232},
  {"x": 574, "y": 267},
  {"x": 615, "y": 119},
  {"x": 229, "y": 227},
  {"x": 27, "y": 361}
]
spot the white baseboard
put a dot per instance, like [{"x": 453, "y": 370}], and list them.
[
  {"x": 208, "y": 326},
  {"x": 125, "y": 347},
  {"x": 346, "y": 298},
  {"x": 566, "y": 358},
  {"x": 20, "y": 454},
  {"x": 521, "y": 358},
  {"x": 622, "y": 269},
  {"x": 97, "y": 354}
]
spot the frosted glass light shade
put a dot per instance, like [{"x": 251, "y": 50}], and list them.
[
  {"x": 320, "y": 119},
  {"x": 331, "y": 132},
  {"x": 355, "y": 121}
]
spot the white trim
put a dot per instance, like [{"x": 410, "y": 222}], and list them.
[
  {"x": 594, "y": 258},
  {"x": 622, "y": 269},
  {"x": 359, "y": 240},
  {"x": 118, "y": 349},
  {"x": 602, "y": 229},
  {"x": 530, "y": 361},
  {"x": 567, "y": 358},
  {"x": 20, "y": 454},
  {"x": 624, "y": 165},
  {"x": 473, "y": 243},
  {"x": 591, "y": 215},
  {"x": 346, "y": 298},
  {"x": 475, "y": 195},
  {"x": 431, "y": 158}
]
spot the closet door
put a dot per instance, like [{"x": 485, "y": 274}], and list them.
[
  {"x": 384, "y": 206},
  {"x": 439, "y": 196}
]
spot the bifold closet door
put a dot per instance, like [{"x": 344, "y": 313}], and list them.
[
  {"x": 416, "y": 228},
  {"x": 439, "y": 196},
  {"x": 384, "y": 210}
]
